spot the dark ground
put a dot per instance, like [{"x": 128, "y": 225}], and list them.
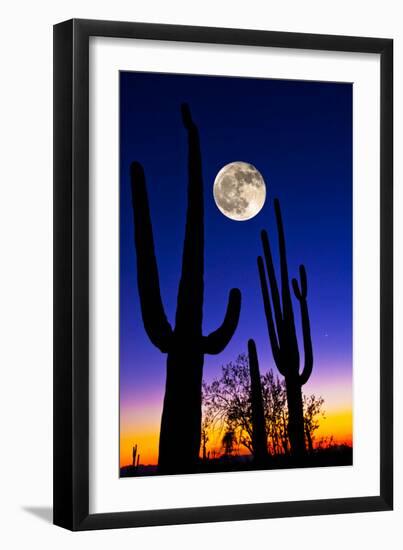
[{"x": 334, "y": 456}]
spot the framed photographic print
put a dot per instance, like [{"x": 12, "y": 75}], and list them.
[{"x": 222, "y": 274}]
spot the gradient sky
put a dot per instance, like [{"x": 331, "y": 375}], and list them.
[{"x": 299, "y": 136}]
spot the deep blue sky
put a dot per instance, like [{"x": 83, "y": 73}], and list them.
[{"x": 299, "y": 136}]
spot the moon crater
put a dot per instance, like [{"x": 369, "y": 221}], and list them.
[{"x": 239, "y": 191}]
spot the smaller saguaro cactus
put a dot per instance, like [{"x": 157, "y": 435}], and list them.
[
  {"x": 134, "y": 453},
  {"x": 282, "y": 333},
  {"x": 259, "y": 437}
]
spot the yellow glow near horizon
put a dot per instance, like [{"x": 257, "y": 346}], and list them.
[
  {"x": 141, "y": 424},
  {"x": 147, "y": 446},
  {"x": 337, "y": 423}
]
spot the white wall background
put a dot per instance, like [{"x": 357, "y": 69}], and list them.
[{"x": 26, "y": 271}]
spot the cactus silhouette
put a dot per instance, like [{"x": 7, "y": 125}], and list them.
[
  {"x": 259, "y": 437},
  {"x": 282, "y": 333},
  {"x": 185, "y": 344},
  {"x": 134, "y": 453}
]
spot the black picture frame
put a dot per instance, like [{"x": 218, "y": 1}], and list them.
[{"x": 71, "y": 274}]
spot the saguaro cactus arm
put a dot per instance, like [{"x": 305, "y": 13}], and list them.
[
  {"x": 216, "y": 341},
  {"x": 194, "y": 166},
  {"x": 189, "y": 312},
  {"x": 272, "y": 279},
  {"x": 301, "y": 294},
  {"x": 269, "y": 316},
  {"x": 285, "y": 288},
  {"x": 154, "y": 319}
]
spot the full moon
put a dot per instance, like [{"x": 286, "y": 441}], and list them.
[{"x": 239, "y": 191}]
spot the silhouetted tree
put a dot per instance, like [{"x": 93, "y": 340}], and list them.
[
  {"x": 206, "y": 423},
  {"x": 325, "y": 442},
  {"x": 185, "y": 344},
  {"x": 282, "y": 333},
  {"x": 227, "y": 406},
  {"x": 228, "y": 442},
  {"x": 312, "y": 409},
  {"x": 276, "y": 413}
]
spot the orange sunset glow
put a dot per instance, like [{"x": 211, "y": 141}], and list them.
[{"x": 337, "y": 423}]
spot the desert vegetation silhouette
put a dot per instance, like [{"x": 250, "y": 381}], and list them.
[
  {"x": 259, "y": 436},
  {"x": 282, "y": 332},
  {"x": 185, "y": 345},
  {"x": 253, "y": 408}
]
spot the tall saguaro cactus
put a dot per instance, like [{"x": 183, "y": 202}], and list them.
[
  {"x": 282, "y": 333},
  {"x": 184, "y": 344},
  {"x": 259, "y": 437}
]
